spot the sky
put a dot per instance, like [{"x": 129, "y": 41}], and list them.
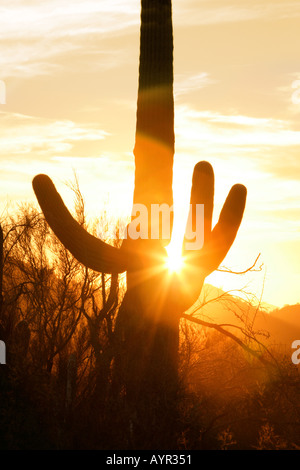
[{"x": 68, "y": 89}]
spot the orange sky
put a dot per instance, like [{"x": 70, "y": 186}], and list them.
[{"x": 71, "y": 68}]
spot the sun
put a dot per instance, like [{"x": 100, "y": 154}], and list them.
[{"x": 174, "y": 261}]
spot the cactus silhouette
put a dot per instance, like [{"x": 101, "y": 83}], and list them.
[{"x": 148, "y": 321}]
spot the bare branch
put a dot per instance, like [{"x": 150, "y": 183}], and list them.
[
  {"x": 220, "y": 329},
  {"x": 250, "y": 269}
]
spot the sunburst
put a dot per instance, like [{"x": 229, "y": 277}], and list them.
[{"x": 174, "y": 260}]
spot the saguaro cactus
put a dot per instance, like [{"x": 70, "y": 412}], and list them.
[{"x": 148, "y": 320}]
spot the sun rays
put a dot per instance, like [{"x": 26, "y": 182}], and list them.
[{"x": 174, "y": 260}]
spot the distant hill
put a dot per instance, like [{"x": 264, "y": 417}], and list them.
[
  {"x": 287, "y": 323},
  {"x": 282, "y": 325},
  {"x": 291, "y": 313}
]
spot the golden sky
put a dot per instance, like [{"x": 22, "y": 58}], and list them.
[{"x": 70, "y": 71}]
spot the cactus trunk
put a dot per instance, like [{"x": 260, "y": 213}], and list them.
[
  {"x": 154, "y": 143},
  {"x": 147, "y": 362}
]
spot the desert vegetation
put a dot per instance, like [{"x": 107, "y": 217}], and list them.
[{"x": 59, "y": 386}]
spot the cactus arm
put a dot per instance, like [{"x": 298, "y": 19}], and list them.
[
  {"x": 217, "y": 241},
  {"x": 202, "y": 192},
  {"x": 86, "y": 248},
  {"x": 225, "y": 231}
]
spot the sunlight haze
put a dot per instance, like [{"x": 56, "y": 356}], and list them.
[{"x": 70, "y": 71}]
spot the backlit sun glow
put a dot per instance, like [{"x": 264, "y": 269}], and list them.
[
  {"x": 236, "y": 106},
  {"x": 174, "y": 261}
]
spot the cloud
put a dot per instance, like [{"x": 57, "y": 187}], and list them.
[
  {"x": 290, "y": 93},
  {"x": 214, "y": 12},
  {"x": 184, "y": 84},
  {"x": 61, "y": 19},
  {"x": 31, "y": 145},
  {"x": 262, "y": 153},
  {"x": 26, "y": 135},
  {"x": 34, "y": 33},
  {"x": 217, "y": 131}
]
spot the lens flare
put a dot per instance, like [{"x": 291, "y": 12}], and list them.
[{"x": 174, "y": 261}]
